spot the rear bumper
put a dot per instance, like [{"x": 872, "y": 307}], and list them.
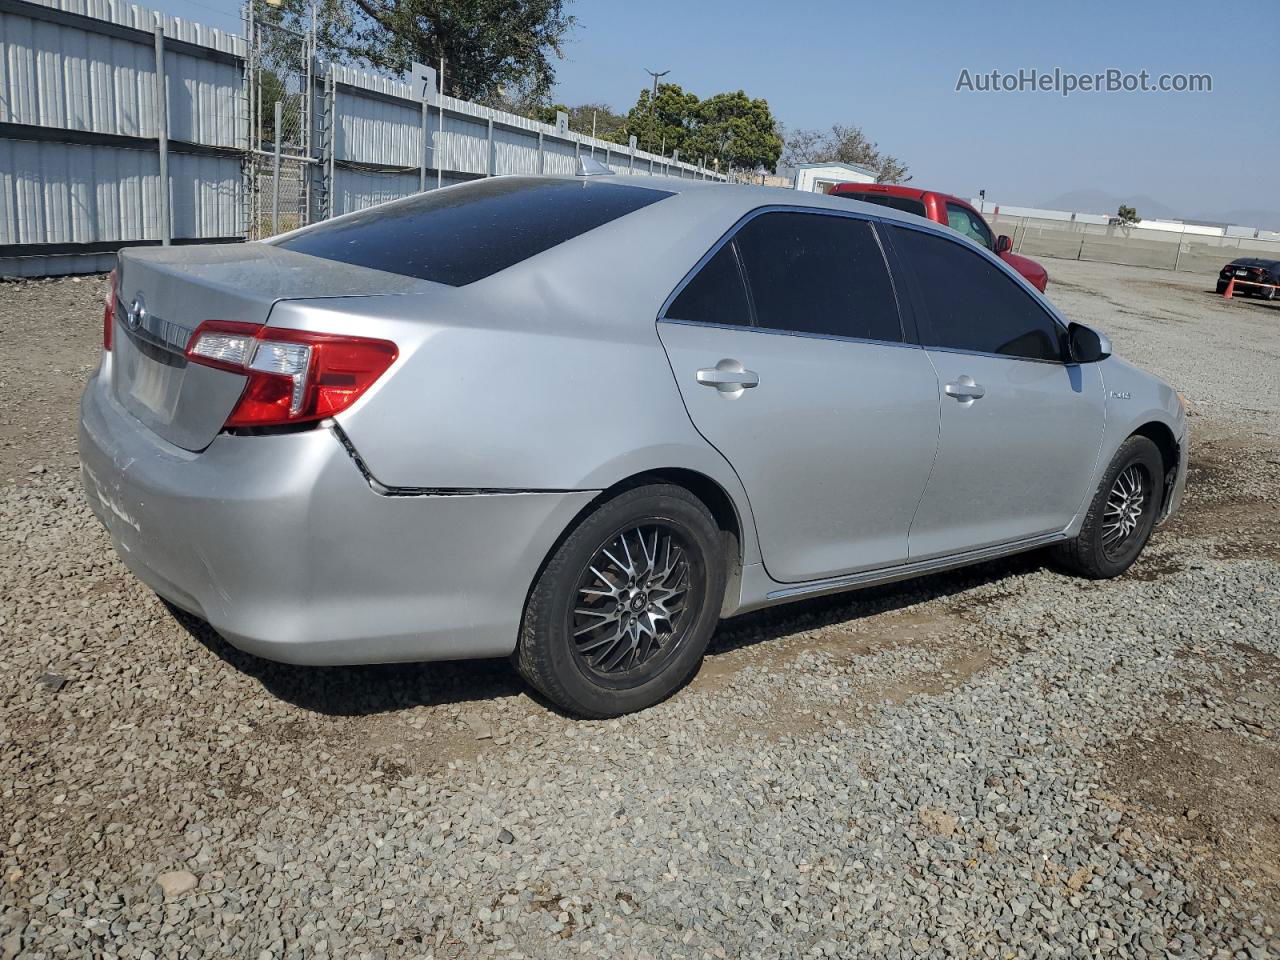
[{"x": 282, "y": 546}]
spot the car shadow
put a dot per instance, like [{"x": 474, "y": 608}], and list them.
[
  {"x": 353, "y": 691},
  {"x": 1252, "y": 301},
  {"x": 772, "y": 623}
]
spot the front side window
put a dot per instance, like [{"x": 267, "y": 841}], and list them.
[
  {"x": 820, "y": 274},
  {"x": 965, "y": 221},
  {"x": 472, "y": 231},
  {"x": 970, "y": 303}
]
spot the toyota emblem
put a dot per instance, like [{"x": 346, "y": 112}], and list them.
[{"x": 136, "y": 313}]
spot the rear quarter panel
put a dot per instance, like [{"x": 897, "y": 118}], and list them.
[{"x": 547, "y": 376}]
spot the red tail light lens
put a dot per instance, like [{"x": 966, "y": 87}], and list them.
[
  {"x": 295, "y": 376},
  {"x": 109, "y": 312}
]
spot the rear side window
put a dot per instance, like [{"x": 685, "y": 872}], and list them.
[
  {"x": 816, "y": 273},
  {"x": 470, "y": 232},
  {"x": 715, "y": 294},
  {"x": 970, "y": 303},
  {"x": 905, "y": 204}
]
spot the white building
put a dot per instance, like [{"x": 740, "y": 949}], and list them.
[{"x": 821, "y": 177}]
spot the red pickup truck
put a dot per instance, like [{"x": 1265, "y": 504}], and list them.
[{"x": 946, "y": 209}]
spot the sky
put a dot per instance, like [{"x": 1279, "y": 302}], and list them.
[{"x": 893, "y": 69}]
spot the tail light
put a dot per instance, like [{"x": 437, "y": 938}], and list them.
[
  {"x": 109, "y": 312},
  {"x": 295, "y": 376}
]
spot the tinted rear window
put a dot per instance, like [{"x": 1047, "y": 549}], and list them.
[
  {"x": 905, "y": 204},
  {"x": 814, "y": 273},
  {"x": 716, "y": 294},
  {"x": 469, "y": 232}
]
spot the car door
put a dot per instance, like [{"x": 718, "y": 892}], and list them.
[
  {"x": 1021, "y": 429},
  {"x": 788, "y": 349}
]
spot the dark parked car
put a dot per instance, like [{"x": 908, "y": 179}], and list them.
[{"x": 1254, "y": 270}]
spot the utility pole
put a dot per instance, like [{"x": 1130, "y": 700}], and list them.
[{"x": 653, "y": 101}]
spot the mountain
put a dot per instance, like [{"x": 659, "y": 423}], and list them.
[
  {"x": 1099, "y": 201},
  {"x": 1149, "y": 208},
  {"x": 1246, "y": 217}
]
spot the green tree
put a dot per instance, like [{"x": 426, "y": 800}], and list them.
[
  {"x": 491, "y": 48},
  {"x": 730, "y": 128},
  {"x": 664, "y": 123},
  {"x": 737, "y": 130},
  {"x": 1127, "y": 215},
  {"x": 608, "y": 124},
  {"x": 844, "y": 144}
]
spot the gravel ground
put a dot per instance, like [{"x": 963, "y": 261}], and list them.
[{"x": 1003, "y": 762}]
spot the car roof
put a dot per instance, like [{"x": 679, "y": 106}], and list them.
[{"x": 742, "y": 198}]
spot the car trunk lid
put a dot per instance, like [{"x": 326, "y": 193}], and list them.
[{"x": 164, "y": 294}]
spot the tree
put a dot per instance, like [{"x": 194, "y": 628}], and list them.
[
  {"x": 608, "y": 124},
  {"x": 664, "y": 123},
  {"x": 737, "y": 130},
  {"x": 730, "y": 128},
  {"x": 1127, "y": 215},
  {"x": 491, "y": 48},
  {"x": 844, "y": 144}
]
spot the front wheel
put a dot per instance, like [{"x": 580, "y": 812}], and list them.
[
  {"x": 621, "y": 614},
  {"x": 1121, "y": 515}
]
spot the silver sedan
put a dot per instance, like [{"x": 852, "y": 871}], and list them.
[{"x": 576, "y": 421}]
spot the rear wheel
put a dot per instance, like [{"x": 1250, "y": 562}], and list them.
[
  {"x": 620, "y": 616},
  {"x": 1221, "y": 286},
  {"x": 1121, "y": 515}
]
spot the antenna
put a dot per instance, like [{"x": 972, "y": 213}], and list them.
[{"x": 591, "y": 167}]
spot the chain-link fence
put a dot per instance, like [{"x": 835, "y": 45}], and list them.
[
  {"x": 279, "y": 85},
  {"x": 1184, "y": 250}
]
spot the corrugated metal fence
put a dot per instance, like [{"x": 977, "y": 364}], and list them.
[{"x": 96, "y": 154}]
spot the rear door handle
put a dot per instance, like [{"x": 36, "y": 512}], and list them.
[
  {"x": 728, "y": 376},
  {"x": 964, "y": 388}
]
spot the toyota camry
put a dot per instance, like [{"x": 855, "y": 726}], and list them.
[{"x": 576, "y": 421}]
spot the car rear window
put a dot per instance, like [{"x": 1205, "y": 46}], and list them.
[
  {"x": 905, "y": 204},
  {"x": 472, "y": 231}
]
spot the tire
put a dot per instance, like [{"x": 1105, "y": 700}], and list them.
[
  {"x": 604, "y": 595},
  {"x": 1220, "y": 287},
  {"x": 1105, "y": 548},
  {"x": 1268, "y": 294}
]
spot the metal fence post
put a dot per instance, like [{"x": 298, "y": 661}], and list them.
[
  {"x": 439, "y": 151},
  {"x": 275, "y": 170},
  {"x": 542, "y": 159},
  {"x": 1177, "y": 257},
  {"x": 489, "y": 164},
  {"x": 422, "y": 166},
  {"x": 333, "y": 140},
  {"x": 162, "y": 133}
]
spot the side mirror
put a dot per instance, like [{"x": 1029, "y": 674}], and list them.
[
  {"x": 1086, "y": 345},
  {"x": 1003, "y": 243}
]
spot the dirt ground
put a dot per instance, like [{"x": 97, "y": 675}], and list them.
[{"x": 1210, "y": 791}]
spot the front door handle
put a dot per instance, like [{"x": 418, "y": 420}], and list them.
[
  {"x": 964, "y": 389},
  {"x": 728, "y": 376}
]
